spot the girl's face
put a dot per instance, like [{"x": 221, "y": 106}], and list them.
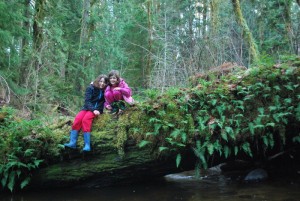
[
  {"x": 102, "y": 83},
  {"x": 113, "y": 80}
]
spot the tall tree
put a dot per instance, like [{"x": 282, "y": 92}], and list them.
[
  {"x": 84, "y": 28},
  {"x": 150, "y": 38},
  {"x": 205, "y": 19},
  {"x": 214, "y": 8},
  {"x": 38, "y": 23},
  {"x": 246, "y": 31},
  {"x": 25, "y": 41}
]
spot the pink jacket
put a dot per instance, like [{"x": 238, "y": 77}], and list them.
[{"x": 125, "y": 90}]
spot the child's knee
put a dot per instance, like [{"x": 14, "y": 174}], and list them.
[{"x": 117, "y": 95}]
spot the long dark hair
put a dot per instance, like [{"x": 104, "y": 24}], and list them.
[{"x": 96, "y": 81}]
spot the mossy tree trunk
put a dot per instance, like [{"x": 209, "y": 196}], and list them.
[
  {"x": 150, "y": 41},
  {"x": 214, "y": 13},
  {"x": 105, "y": 167},
  {"x": 253, "y": 50}
]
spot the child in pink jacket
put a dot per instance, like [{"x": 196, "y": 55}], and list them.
[{"x": 116, "y": 92}]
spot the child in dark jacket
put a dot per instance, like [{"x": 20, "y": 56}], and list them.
[
  {"x": 116, "y": 91},
  {"x": 93, "y": 107}
]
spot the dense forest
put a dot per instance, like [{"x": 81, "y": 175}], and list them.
[{"x": 51, "y": 50}]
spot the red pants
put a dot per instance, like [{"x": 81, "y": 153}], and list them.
[{"x": 83, "y": 120}]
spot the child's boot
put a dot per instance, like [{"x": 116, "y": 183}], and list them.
[
  {"x": 73, "y": 139},
  {"x": 87, "y": 141}
]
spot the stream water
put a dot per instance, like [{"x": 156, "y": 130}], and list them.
[{"x": 174, "y": 187}]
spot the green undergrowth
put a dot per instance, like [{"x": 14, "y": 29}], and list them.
[{"x": 253, "y": 112}]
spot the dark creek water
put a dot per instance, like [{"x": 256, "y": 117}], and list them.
[{"x": 178, "y": 187}]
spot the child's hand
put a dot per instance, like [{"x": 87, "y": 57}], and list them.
[
  {"x": 117, "y": 89},
  {"x": 96, "y": 112}
]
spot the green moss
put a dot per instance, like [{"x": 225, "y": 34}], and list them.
[
  {"x": 121, "y": 138},
  {"x": 102, "y": 121},
  {"x": 76, "y": 170}
]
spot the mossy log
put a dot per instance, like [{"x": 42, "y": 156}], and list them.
[
  {"x": 115, "y": 158},
  {"x": 105, "y": 169},
  {"x": 246, "y": 114}
]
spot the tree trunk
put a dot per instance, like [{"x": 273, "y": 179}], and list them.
[
  {"x": 24, "y": 44},
  {"x": 253, "y": 50},
  {"x": 214, "y": 13},
  {"x": 288, "y": 24},
  {"x": 150, "y": 38},
  {"x": 84, "y": 28},
  {"x": 38, "y": 37},
  {"x": 204, "y": 25},
  {"x": 38, "y": 25},
  {"x": 107, "y": 168}
]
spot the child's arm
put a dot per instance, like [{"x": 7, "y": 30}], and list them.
[
  {"x": 88, "y": 99},
  {"x": 107, "y": 105},
  {"x": 124, "y": 88}
]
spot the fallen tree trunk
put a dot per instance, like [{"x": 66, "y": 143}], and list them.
[{"x": 106, "y": 169}]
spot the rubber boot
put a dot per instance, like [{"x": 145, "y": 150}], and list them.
[
  {"x": 87, "y": 141},
  {"x": 73, "y": 139}
]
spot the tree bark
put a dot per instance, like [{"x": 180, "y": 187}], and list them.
[
  {"x": 38, "y": 24},
  {"x": 84, "y": 28},
  {"x": 214, "y": 12},
  {"x": 38, "y": 38},
  {"x": 288, "y": 24},
  {"x": 24, "y": 43},
  {"x": 108, "y": 168},
  {"x": 253, "y": 50},
  {"x": 205, "y": 10},
  {"x": 150, "y": 38}
]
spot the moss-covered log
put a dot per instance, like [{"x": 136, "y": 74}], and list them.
[
  {"x": 230, "y": 113},
  {"x": 105, "y": 169}
]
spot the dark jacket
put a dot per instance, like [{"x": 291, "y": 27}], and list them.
[{"x": 94, "y": 99}]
